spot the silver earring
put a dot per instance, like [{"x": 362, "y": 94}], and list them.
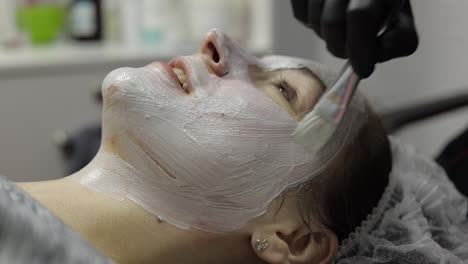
[{"x": 261, "y": 245}]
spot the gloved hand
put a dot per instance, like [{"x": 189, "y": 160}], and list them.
[{"x": 350, "y": 29}]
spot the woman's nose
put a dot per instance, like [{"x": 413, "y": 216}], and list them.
[{"x": 213, "y": 53}]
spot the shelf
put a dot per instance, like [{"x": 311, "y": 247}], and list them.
[{"x": 73, "y": 55}]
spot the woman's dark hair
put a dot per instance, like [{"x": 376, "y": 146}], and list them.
[{"x": 347, "y": 191}]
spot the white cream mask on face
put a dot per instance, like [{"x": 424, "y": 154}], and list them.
[{"x": 211, "y": 160}]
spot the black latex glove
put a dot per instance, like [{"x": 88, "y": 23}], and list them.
[{"x": 350, "y": 29}]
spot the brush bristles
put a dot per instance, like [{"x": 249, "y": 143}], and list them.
[{"x": 313, "y": 131}]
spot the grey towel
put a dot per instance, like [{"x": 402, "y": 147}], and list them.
[{"x": 30, "y": 234}]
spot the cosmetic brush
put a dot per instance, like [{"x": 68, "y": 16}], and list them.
[{"x": 317, "y": 127}]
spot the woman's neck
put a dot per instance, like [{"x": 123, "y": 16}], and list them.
[{"x": 125, "y": 231}]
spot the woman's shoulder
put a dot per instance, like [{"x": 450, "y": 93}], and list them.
[{"x": 31, "y": 233}]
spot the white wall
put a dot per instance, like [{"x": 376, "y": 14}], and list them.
[
  {"x": 439, "y": 67},
  {"x": 35, "y": 103},
  {"x": 32, "y": 108}
]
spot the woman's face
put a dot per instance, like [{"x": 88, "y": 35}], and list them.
[
  {"x": 220, "y": 64},
  {"x": 209, "y": 135}
]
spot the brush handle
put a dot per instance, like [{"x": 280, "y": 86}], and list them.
[
  {"x": 351, "y": 84},
  {"x": 334, "y": 102}
]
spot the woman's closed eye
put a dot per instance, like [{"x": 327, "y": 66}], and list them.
[
  {"x": 288, "y": 92},
  {"x": 296, "y": 90}
]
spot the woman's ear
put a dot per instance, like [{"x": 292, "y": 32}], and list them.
[
  {"x": 282, "y": 236},
  {"x": 278, "y": 246}
]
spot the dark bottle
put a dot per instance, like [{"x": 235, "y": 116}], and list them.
[{"x": 85, "y": 23}]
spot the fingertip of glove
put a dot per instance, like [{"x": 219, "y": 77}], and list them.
[
  {"x": 364, "y": 72},
  {"x": 299, "y": 8}
]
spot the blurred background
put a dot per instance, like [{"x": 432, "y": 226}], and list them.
[{"x": 54, "y": 55}]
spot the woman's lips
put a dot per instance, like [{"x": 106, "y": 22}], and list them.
[
  {"x": 167, "y": 70},
  {"x": 181, "y": 63}
]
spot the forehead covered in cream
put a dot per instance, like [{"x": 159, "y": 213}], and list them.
[{"x": 276, "y": 62}]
